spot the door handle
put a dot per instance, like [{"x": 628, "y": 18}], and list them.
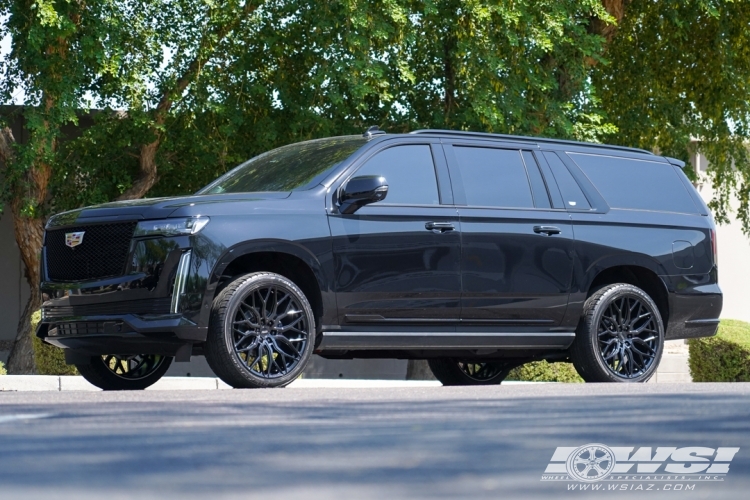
[
  {"x": 548, "y": 230},
  {"x": 439, "y": 227}
]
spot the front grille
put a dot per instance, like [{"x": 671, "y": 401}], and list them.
[
  {"x": 103, "y": 252},
  {"x": 142, "y": 306}
]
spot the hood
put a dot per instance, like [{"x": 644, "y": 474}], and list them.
[{"x": 158, "y": 208}]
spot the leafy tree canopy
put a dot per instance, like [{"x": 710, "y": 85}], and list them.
[{"x": 179, "y": 91}]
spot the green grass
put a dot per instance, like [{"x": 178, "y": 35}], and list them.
[{"x": 734, "y": 330}]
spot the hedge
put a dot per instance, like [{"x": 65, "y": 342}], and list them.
[
  {"x": 542, "y": 371},
  {"x": 723, "y": 358},
  {"x": 49, "y": 360}
]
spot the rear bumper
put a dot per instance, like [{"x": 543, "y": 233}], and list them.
[{"x": 695, "y": 312}]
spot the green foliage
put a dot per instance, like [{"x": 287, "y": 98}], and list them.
[
  {"x": 542, "y": 371},
  {"x": 680, "y": 71},
  {"x": 2, "y": 369},
  {"x": 49, "y": 360},
  {"x": 723, "y": 358}
]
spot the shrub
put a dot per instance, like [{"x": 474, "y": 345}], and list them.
[
  {"x": 2, "y": 369},
  {"x": 49, "y": 360},
  {"x": 542, "y": 371},
  {"x": 723, "y": 358}
]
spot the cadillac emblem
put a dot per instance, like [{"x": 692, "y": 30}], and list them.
[{"x": 74, "y": 239}]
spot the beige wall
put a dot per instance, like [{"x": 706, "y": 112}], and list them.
[{"x": 734, "y": 257}]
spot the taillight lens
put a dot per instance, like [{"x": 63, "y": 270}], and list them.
[{"x": 713, "y": 246}]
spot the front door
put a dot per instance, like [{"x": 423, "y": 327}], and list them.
[
  {"x": 517, "y": 254},
  {"x": 397, "y": 262}
]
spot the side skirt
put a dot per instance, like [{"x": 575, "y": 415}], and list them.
[{"x": 363, "y": 340}]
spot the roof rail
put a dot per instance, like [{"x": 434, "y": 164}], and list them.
[{"x": 521, "y": 138}]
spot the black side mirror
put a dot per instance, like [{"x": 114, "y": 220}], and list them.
[{"x": 361, "y": 191}]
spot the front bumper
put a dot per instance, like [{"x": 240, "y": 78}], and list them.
[
  {"x": 154, "y": 308},
  {"x": 125, "y": 334}
]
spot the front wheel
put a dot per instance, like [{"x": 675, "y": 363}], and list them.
[
  {"x": 620, "y": 337},
  {"x": 113, "y": 372},
  {"x": 450, "y": 371},
  {"x": 262, "y": 332}
]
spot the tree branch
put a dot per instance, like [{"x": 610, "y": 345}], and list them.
[{"x": 148, "y": 167}]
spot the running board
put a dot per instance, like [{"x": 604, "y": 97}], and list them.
[{"x": 337, "y": 340}]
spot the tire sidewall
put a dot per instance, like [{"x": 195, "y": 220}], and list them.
[
  {"x": 256, "y": 281},
  {"x": 609, "y": 296}
]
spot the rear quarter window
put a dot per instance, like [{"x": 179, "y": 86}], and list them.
[{"x": 636, "y": 184}]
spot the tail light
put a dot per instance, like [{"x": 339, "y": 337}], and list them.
[{"x": 713, "y": 246}]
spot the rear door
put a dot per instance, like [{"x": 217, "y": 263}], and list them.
[
  {"x": 397, "y": 262},
  {"x": 517, "y": 248}
]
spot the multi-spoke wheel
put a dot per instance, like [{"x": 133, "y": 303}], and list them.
[
  {"x": 620, "y": 337},
  {"x": 262, "y": 332},
  {"x": 113, "y": 372},
  {"x": 450, "y": 371}
]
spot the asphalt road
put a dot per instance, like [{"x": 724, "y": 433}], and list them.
[{"x": 476, "y": 442}]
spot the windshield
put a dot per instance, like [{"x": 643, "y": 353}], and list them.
[{"x": 289, "y": 168}]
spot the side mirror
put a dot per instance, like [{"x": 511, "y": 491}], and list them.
[{"x": 361, "y": 191}]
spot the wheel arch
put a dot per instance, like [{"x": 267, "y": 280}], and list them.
[
  {"x": 643, "y": 277},
  {"x": 288, "y": 259}
]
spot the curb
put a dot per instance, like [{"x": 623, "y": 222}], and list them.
[{"x": 55, "y": 383}]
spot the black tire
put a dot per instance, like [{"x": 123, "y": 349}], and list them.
[
  {"x": 125, "y": 373},
  {"x": 244, "y": 330},
  {"x": 451, "y": 371},
  {"x": 620, "y": 337}
]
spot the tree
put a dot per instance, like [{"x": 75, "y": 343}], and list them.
[{"x": 69, "y": 55}]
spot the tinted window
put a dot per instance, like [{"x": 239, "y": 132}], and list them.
[
  {"x": 409, "y": 172},
  {"x": 288, "y": 168},
  {"x": 494, "y": 177},
  {"x": 571, "y": 192},
  {"x": 636, "y": 184}
]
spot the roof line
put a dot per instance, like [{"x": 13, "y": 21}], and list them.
[{"x": 528, "y": 139}]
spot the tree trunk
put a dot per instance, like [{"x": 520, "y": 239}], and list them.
[{"x": 29, "y": 234}]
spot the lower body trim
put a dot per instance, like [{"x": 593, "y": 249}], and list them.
[{"x": 338, "y": 340}]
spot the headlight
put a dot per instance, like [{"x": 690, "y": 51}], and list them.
[{"x": 171, "y": 227}]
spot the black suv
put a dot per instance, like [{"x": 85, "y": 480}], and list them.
[{"x": 477, "y": 252}]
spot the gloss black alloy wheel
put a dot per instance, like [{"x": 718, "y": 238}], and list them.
[
  {"x": 262, "y": 332},
  {"x": 451, "y": 371},
  {"x": 113, "y": 372},
  {"x": 620, "y": 337}
]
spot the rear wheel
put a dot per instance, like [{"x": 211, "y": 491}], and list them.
[
  {"x": 262, "y": 332},
  {"x": 451, "y": 371},
  {"x": 620, "y": 337},
  {"x": 113, "y": 372}
]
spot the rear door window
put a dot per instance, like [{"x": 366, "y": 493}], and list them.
[
  {"x": 636, "y": 184},
  {"x": 494, "y": 177}
]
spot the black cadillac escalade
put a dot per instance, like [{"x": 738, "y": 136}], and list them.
[{"x": 477, "y": 252}]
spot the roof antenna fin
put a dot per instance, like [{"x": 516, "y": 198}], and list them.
[{"x": 372, "y": 132}]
